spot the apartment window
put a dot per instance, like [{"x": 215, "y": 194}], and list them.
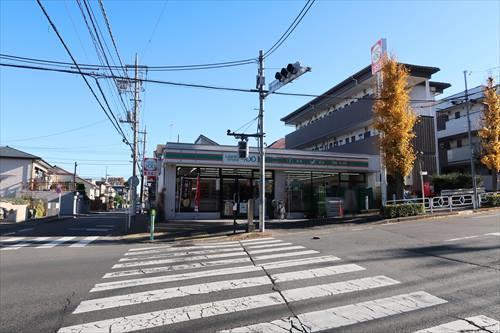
[
  {"x": 447, "y": 145},
  {"x": 335, "y": 143},
  {"x": 457, "y": 114},
  {"x": 353, "y": 138},
  {"x": 346, "y": 140},
  {"x": 459, "y": 143},
  {"x": 331, "y": 145},
  {"x": 367, "y": 134},
  {"x": 341, "y": 142}
]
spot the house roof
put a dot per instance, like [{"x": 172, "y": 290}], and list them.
[
  {"x": 353, "y": 80},
  {"x": 203, "y": 140},
  {"x": 9, "y": 152},
  {"x": 280, "y": 144}
]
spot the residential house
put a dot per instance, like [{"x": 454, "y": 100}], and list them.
[{"x": 21, "y": 171}]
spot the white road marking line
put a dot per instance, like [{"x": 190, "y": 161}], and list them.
[
  {"x": 267, "y": 245},
  {"x": 248, "y": 241},
  {"x": 492, "y": 234},
  {"x": 316, "y": 272},
  {"x": 218, "y": 243},
  {"x": 277, "y": 249},
  {"x": 167, "y": 293},
  {"x": 182, "y": 248},
  {"x": 284, "y": 255},
  {"x": 330, "y": 289},
  {"x": 182, "y": 254},
  {"x": 105, "y": 226},
  {"x": 457, "y": 326},
  {"x": 175, "y": 267},
  {"x": 461, "y": 238},
  {"x": 85, "y": 241},
  {"x": 151, "y": 248},
  {"x": 90, "y": 229},
  {"x": 11, "y": 247},
  {"x": 160, "y": 318},
  {"x": 174, "y": 277},
  {"x": 298, "y": 262},
  {"x": 55, "y": 242},
  {"x": 346, "y": 315},
  {"x": 12, "y": 239},
  {"x": 25, "y": 229},
  {"x": 8, "y": 234},
  {"x": 182, "y": 259}
]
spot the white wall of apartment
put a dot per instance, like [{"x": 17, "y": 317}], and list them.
[{"x": 13, "y": 173}]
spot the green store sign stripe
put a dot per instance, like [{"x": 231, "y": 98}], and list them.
[{"x": 273, "y": 160}]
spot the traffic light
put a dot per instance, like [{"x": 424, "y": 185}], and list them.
[
  {"x": 291, "y": 72},
  {"x": 243, "y": 149}
]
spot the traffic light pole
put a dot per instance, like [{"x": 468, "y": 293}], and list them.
[{"x": 262, "y": 154}]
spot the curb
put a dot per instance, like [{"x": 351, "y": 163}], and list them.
[{"x": 34, "y": 222}]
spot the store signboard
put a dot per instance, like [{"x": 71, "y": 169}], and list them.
[
  {"x": 149, "y": 167},
  {"x": 378, "y": 50},
  {"x": 231, "y": 158}
]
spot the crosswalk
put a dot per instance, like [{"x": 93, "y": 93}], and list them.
[
  {"x": 16, "y": 243},
  {"x": 211, "y": 285}
]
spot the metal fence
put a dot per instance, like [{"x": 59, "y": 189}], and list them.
[{"x": 447, "y": 203}]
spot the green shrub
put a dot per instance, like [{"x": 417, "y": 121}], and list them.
[
  {"x": 493, "y": 200},
  {"x": 402, "y": 210},
  {"x": 453, "y": 181}
]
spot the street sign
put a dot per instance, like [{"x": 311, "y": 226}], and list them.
[
  {"x": 423, "y": 173},
  {"x": 133, "y": 181}
]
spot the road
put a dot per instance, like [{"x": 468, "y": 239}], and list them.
[{"x": 402, "y": 277}]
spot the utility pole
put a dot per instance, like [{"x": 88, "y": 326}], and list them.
[
  {"x": 471, "y": 146},
  {"x": 135, "y": 120},
  {"x": 74, "y": 178},
  {"x": 262, "y": 154},
  {"x": 143, "y": 157}
]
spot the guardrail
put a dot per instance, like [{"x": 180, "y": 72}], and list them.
[{"x": 446, "y": 203}]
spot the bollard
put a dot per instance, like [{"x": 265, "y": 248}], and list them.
[
  {"x": 367, "y": 203},
  {"x": 152, "y": 225}
]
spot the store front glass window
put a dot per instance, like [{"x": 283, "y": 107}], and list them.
[{"x": 186, "y": 189}]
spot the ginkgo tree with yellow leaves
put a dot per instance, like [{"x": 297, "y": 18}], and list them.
[
  {"x": 394, "y": 119},
  {"x": 490, "y": 131}
]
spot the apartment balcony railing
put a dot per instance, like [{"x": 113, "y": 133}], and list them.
[
  {"x": 352, "y": 116},
  {"x": 459, "y": 126},
  {"x": 461, "y": 154}
]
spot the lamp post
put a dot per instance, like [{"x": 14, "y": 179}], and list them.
[{"x": 471, "y": 146}]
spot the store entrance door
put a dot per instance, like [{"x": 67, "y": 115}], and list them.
[{"x": 239, "y": 190}]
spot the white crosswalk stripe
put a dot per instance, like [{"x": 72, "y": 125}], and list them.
[
  {"x": 277, "y": 249},
  {"x": 156, "y": 277},
  {"x": 346, "y": 315},
  {"x": 476, "y": 324},
  {"x": 285, "y": 255},
  {"x": 16, "y": 246},
  {"x": 171, "y": 278},
  {"x": 180, "y": 254},
  {"x": 45, "y": 242},
  {"x": 84, "y": 242},
  {"x": 182, "y": 259}
]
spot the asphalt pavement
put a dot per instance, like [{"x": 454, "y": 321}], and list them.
[{"x": 397, "y": 277}]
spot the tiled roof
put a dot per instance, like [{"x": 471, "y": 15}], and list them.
[{"x": 9, "y": 152}]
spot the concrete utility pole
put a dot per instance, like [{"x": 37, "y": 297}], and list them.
[
  {"x": 141, "y": 198},
  {"x": 262, "y": 154},
  {"x": 471, "y": 146},
  {"x": 74, "y": 178},
  {"x": 135, "y": 123}
]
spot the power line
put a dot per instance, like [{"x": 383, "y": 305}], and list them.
[
  {"x": 116, "y": 126},
  {"x": 151, "y": 68},
  {"x": 290, "y": 29},
  {"x": 111, "y": 35},
  {"x": 204, "y": 86},
  {"x": 57, "y": 133},
  {"x": 148, "y": 44}
]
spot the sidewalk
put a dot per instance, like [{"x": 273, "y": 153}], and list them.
[{"x": 176, "y": 230}]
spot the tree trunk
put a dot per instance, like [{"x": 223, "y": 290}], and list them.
[
  {"x": 399, "y": 188},
  {"x": 494, "y": 180}
]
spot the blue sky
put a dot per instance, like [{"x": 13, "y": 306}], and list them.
[{"x": 38, "y": 111}]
